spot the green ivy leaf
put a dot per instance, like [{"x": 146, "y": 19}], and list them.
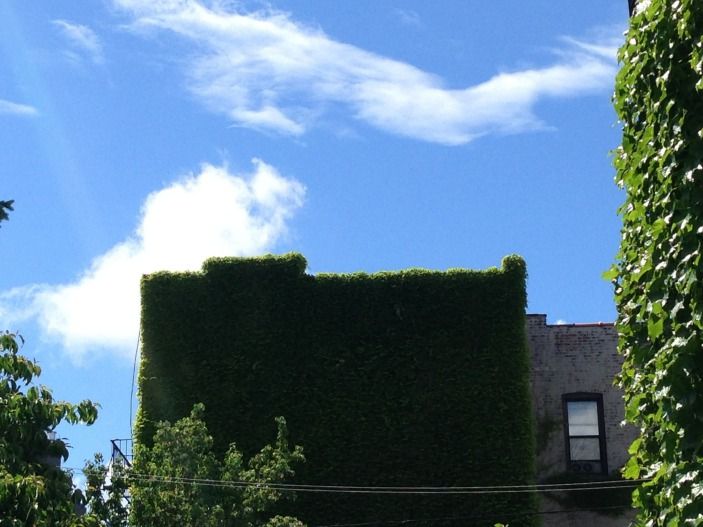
[{"x": 655, "y": 327}]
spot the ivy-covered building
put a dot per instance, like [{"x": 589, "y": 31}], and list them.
[
  {"x": 400, "y": 379},
  {"x": 410, "y": 378}
]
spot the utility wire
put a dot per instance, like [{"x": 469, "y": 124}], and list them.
[
  {"x": 289, "y": 487},
  {"x": 442, "y": 491},
  {"x": 227, "y": 484},
  {"x": 611, "y": 483},
  {"x": 134, "y": 373}
]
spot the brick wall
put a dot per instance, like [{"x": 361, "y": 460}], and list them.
[{"x": 566, "y": 359}]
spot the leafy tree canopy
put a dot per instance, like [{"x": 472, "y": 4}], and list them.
[
  {"x": 179, "y": 480},
  {"x": 106, "y": 493},
  {"x": 34, "y": 491}
]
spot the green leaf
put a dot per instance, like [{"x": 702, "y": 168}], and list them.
[
  {"x": 655, "y": 327},
  {"x": 611, "y": 274},
  {"x": 631, "y": 469}
]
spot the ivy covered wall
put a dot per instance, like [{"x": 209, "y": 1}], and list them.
[
  {"x": 658, "y": 276},
  {"x": 411, "y": 378}
]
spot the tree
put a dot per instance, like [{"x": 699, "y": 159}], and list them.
[
  {"x": 106, "y": 493},
  {"x": 658, "y": 276},
  {"x": 34, "y": 491},
  {"x": 179, "y": 480}
]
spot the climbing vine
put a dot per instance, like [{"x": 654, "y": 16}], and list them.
[
  {"x": 658, "y": 276},
  {"x": 409, "y": 378}
]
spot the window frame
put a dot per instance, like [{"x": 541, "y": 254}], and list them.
[{"x": 585, "y": 397}]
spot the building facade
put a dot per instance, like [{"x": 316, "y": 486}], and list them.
[{"x": 578, "y": 419}]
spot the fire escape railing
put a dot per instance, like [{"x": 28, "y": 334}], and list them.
[{"x": 122, "y": 451}]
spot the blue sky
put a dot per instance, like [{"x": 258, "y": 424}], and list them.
[{"x": 369, "y": 135}]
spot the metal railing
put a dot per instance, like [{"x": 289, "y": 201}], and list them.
[{"x": 122, "y": 451}]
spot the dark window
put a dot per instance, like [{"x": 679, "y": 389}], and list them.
[{"x": 584, "y": 433}]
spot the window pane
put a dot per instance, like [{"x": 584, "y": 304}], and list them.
[
  {"x": 584, "y": 448},
  {"x": 583, "y": 418}
]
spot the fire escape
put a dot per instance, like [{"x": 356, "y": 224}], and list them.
[{"x": 122, "y": 451}]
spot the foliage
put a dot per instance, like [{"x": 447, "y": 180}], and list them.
[
  {"x": 105, "y": 493},
  {"x": 4, "y": 207},
  {"x": 658, "y": 276},
  {"x": 165, "y": 493},
  {"x": 33, "y": 490},
  {"x": 410, "y": 378}
]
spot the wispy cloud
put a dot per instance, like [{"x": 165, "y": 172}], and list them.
[
  {"x": 408, "y": 17},
  {"x": 13, "y": 108},
  {"x": 83, "y": 39},
  {"x": 212, "y": 213},
  {"x": 264, "y": 70}
]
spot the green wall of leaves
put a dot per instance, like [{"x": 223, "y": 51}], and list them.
[
  {"x": 658, "y": 276},
  {"x": 405, "y": 378}
]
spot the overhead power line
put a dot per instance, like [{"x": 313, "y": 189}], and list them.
[
  {"x": 405, "y": 490},
  {"x": 134, "y": 374}
]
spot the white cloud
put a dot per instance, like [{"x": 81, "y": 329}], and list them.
[
  {"x": 266, "y": 71},
  {"x": 82, "y": 38},
  {"x": 213, "y": 213},
  {"x": 408, "y": 17},
  {"x": 13, "y": 108},
  {"x": 606, "y": 47}
]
